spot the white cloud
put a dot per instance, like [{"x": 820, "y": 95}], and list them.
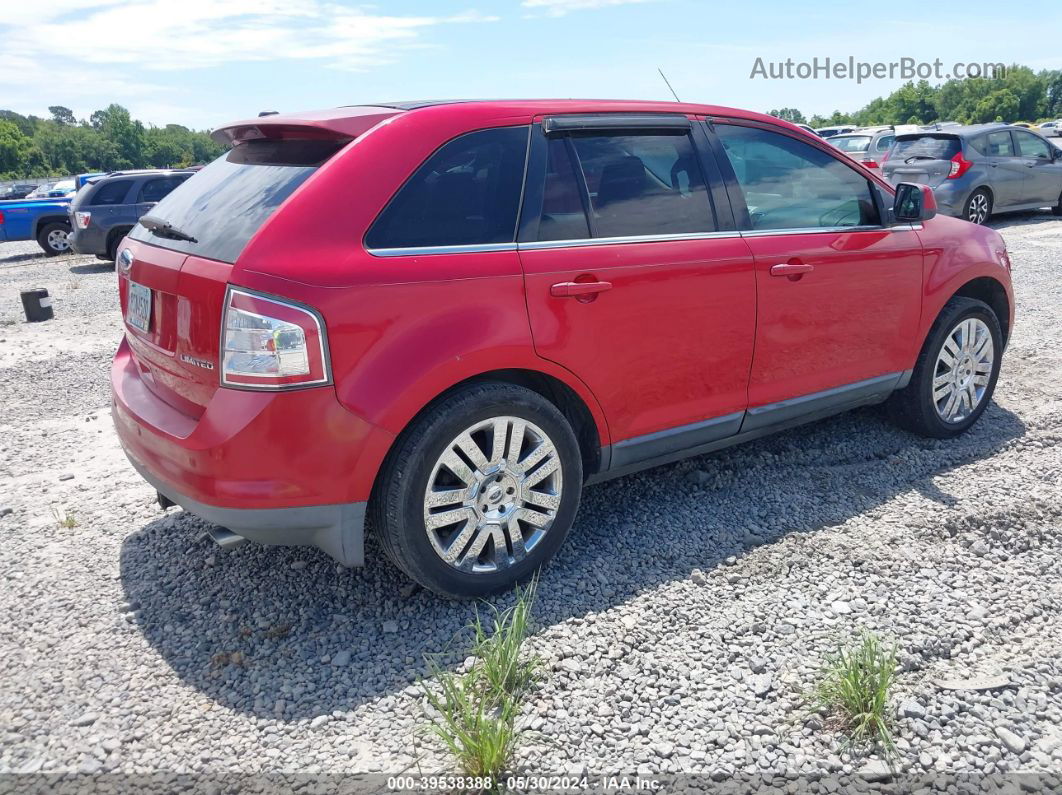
[
  {"x": 558, "y": 8},
  {"x": 126, "y": 50}
]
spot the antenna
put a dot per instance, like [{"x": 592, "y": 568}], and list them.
[{"x": 669, "y": 88}]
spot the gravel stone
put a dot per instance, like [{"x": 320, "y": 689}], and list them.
[{"x": 181, "y": 658}]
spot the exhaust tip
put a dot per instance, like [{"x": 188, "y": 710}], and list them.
[{"x": 225, "y": 538}]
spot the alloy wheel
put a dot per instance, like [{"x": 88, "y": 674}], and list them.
[
  {"x": 978, "y": 210},
  {"x": 493, "y": 495},
  {"x": 963, "y": 370}
]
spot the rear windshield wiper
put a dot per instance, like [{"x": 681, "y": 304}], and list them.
[
  {"x": 920, "y": 157},
  {"x": 165, "y": 229}
]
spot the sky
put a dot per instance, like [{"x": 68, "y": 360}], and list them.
[{"x": 204, "y": 62}]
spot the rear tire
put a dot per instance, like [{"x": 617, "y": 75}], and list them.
[
  {"x": 978, "y": 207},
  {"x": 921, "y": 407},
  {"x": 506, "y": 523},
  {"x": 1057, "y": 209},
  {"x": 54, "y": 238}
]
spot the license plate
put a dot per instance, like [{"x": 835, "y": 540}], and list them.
[{"x": 138, "y": 310}]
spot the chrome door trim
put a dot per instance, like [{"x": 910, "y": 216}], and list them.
[
  {"x": 423, "y": 251},
  {"x": 611, "y": 241}
]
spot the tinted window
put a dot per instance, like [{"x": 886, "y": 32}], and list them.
[
  {"x": 789, "y": 184},
  {"x": 999, "y": 144},
  {"x": 111, "y": 193},
  {"x": 223, "y": 205},
  {"x": 467, "y": 193},
  {"x": 563, "y": 216},
  {"x": 157, "y": 189},
  {"x": 926, "y": 147},
  {"x": 647, "y": 184},
  {"x": 884, "y": 142},
  {"x": 1030, "y": 145}
]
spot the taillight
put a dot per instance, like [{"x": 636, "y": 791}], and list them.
[
  {"x": 82, "y": 220},
  {"x": 1, "y": 218},
  {"x": 959, "y": 166},
  {"x": 870, "y": 163},
  {"x": 271, "y": 344}
]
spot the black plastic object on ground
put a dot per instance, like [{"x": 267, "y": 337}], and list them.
[{"x": 37, "y": 305}]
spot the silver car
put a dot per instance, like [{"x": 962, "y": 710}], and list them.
[
  {"x": 980, "y": 169},
  {"x": 1051, "y": 128},
  {"x": 868, "y": 147}
]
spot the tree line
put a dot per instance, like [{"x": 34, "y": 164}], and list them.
[
  {"x": 109, "y": 140},
  {"x": 1020, "y": 94}
]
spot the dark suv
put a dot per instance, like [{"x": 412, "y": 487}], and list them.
[{"x": 104, "y": 211}]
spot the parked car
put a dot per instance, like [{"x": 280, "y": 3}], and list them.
[
  {"x": 868, "y": 147},
  {"x": 41, "y": 191},
  {"x": 17, "y": 190},
  {"x": 980, "y": 169},
  {"x": 456, "y": 323},
  {"x": 43, "y": 220},
  {"x": 106, "y": 208},
  {"x": 64, "y": 188},
  {"x": 806, "y": 128},
  {"x": 829, "y": 132},
  {"x": 1052, "y": 129}
]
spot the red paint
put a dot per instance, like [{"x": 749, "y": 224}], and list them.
[{"x": 687, "y": 329}]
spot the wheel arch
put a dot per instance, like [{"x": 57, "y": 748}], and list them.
[
  {"x": 992, "y": 292},
  {"x": 44, "y": 220}
]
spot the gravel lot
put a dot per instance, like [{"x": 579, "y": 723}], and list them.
[{"x": 690, "y": 606}]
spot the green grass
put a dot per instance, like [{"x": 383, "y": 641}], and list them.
[
  {"x": 854, "y": 691},
  {"x": 62, "y": 518},
  {"x": 475, "y": 711}
]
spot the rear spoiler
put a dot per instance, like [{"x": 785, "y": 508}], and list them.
[{"x": 340, "y": 124}]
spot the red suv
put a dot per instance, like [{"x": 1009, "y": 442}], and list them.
[{"x": 442, "y": 320}]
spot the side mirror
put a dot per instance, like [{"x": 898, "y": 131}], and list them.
[{"x": 913, "y": 203}]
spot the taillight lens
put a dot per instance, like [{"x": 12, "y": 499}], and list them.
[
  {"x": 82, "y": 220},
  {"x": 870, "y": 163},
  {"x": 1, "y": 218},
  {"x": 271, "y": 344},
  {"x": 959, "y": 166}
]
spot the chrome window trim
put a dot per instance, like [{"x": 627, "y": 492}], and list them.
[
  {"x": 536, "y": 245},
  {"x": 611, "y": 241},
  {"x": 414, "y": 251}
]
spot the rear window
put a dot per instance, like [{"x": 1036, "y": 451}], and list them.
[
  {"x": 223, "y": 205},
  {"x": 932, "y": 147},
  {"x": 851, "y": 143}
]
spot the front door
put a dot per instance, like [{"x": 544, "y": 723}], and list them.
[
  {"x": 838, "y": 293},
  {"x": 632, "y": 285},
  {"x": 1043, "y": 172}
]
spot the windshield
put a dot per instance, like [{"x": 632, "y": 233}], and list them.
[
  {"x": 222, "y": 206},
  {"x": 925, "y": 147},
  {"x": 851, "y": 143}
]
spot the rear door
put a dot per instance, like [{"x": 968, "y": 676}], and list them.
[
  {"x": 636, "y": 279},
  {"x": 1006, "y": 170},
  {"x": 1043, "y": 173},
  {"x": 838, "y": 293}
]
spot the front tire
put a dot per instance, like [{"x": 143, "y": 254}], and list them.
[
  {"x": 978, "y": 207},
  {"x": 54, "y": 238},
  {"x": 480, "y": 491},
  {"x": 956, "y": 372}
]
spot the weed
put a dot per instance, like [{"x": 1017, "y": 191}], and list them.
[
  {"x": 854, "y": 691},
  {"x": 475, "y": 711},
  {"x": 62, "y": 518}
]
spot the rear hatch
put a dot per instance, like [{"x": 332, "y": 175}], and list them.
[
  {"x": 925, "y": 158},
  {"x": 178, "y": 260}
]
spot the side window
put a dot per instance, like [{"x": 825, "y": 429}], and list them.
[
  {"x": 979, "y": 144},
  {"x": 644, "y": 184},
  {"x": 1030, "y": 145},
  {"x": 563, "y": 216},
  {"x": 884, "y": 142},
  {"x": 467, "y": 193},
  {"x": 999, "y": 144},
  {"x": 111, "y": 193},
  {"x": 789, "y": 184},
  {"x": 154, "y": 190}
]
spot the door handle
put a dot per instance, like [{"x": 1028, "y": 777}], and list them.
[
  {"x": 791, "y": 269},
  {"x": 577, "y": 289}
]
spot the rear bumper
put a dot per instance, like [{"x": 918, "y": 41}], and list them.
[
  {"x": 338, "y": 530},
  {"x": 279, "y": 468},
  {"x": 92, "y": 240}
]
